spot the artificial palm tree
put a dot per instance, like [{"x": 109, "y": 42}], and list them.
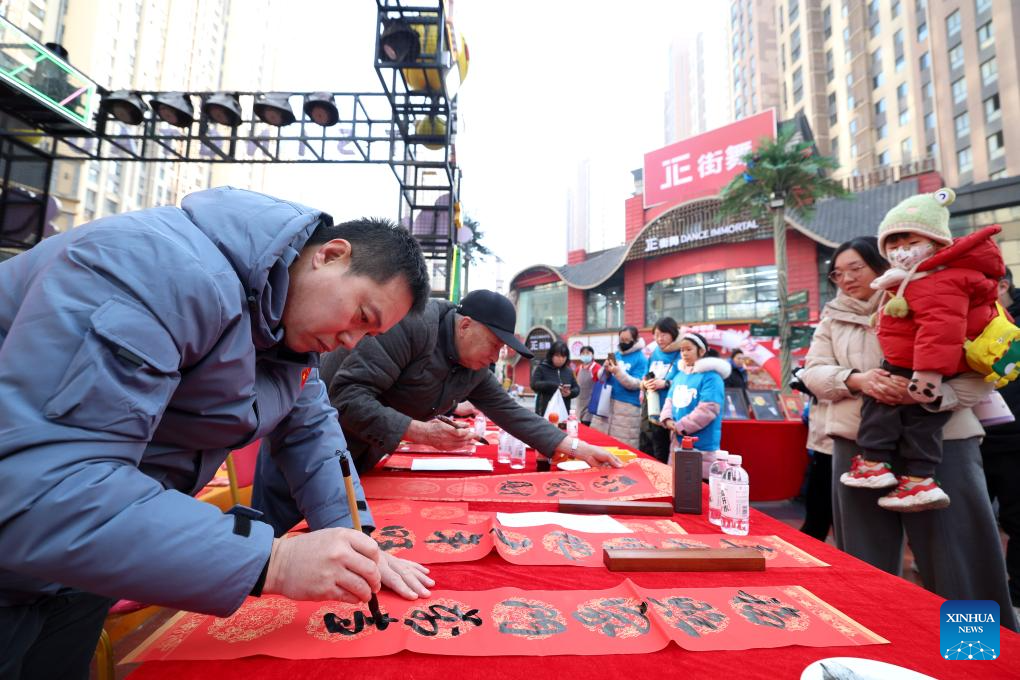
[{"x": 781, "y": 173}]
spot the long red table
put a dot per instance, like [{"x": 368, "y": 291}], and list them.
[{"x": 899, "y": 611}]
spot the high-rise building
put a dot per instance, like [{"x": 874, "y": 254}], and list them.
[
  {"x": 696, "y": 98},
  {"x": 578, "y": 208},
  {"x": 889, "y": 82},
  {"x": 754, "y": 59}
]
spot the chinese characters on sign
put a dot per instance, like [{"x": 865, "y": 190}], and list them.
[
  {"x": 689, "y": 236},
  {"x": 702, "y": 165}
]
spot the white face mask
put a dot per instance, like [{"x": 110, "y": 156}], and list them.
[
  {"x": 905, "y": 257},
  {"x": 586, "y": 358}
]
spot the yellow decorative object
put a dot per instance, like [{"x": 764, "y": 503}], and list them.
[
  {"x": 418, "y": 79},
  {"x": 995, "y": 353},
  {"x": 462, "y": 59},
  {"x": 897, "y": 307},
  {"x": 432, "y": 126}
]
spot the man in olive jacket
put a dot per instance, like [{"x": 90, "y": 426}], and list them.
[{"x": 391, "y": 387}]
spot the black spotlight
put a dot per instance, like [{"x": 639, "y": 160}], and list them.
[
  {"x": 274, "y": 108},
  {"x": 175, "y": 108},
  {"x": 320, "y": 107},
  {"x": 125, "y": 106},
  {"x": 399, "y": 42},
  {"x": 223, "y": 109}
]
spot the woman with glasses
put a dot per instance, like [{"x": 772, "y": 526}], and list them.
[{"x": 957, "y": 549}]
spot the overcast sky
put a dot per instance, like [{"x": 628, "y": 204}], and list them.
[{"x": 551, "y": 82}]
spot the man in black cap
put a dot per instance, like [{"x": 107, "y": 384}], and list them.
[{"x": 391, "y": 387}]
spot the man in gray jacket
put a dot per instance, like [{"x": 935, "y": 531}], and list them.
[
  {"x": 135, "y": 352},
  {"x": 391, "y": 387}
]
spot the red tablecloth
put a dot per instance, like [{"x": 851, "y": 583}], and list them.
[
  {"x": 899, "y": 611},
  {"x": 775, "y": 455}
]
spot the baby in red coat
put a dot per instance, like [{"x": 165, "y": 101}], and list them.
[{"x": 941, "y": 293}]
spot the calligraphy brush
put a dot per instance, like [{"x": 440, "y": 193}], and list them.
[
  {"x": 451, "y": 423},
  {"x": 352, "y": 504}
]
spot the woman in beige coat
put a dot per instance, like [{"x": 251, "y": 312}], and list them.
[{"x": 957, "y": 549}]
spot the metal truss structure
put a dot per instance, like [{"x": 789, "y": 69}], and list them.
[{"x": 370, "y": 127}]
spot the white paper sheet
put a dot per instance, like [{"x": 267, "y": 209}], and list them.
[
  {"x": 592, "y": 524},
  {"x": 470, "y": 463}
]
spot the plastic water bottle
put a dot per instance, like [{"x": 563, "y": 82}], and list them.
[
  {"x": 503, "y": 450},
  {"x": 518, "y": 454},
  {"x": 572, "y": 424},
  {"x": 479, "y": 425},
  {"x": 715, "y": 473},
  {"x": 734, "y": 492}
]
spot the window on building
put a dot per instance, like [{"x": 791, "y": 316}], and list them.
[
  {"x": 929, "y": 121},
  {"x": 904, "y": 116},
  {"x": 604, "y": 304},
  {"x": 998, "y": 174},
  {"x": 925, "y": 62},
  {"x": 110, "y": 207},
  {"x": 798, "y": 86},
  {"x": 901, "y": 93},
  {"x": 795, "y": 45},
  {"x": 853, "y": 128},
  {"x": 833, "y": 109},
  {"x": 543, "y": 305},
  {"x": 956, "y": 57},
  {"x": 962, "y": 125},
  {"x": 874, "y": 29},
  {"x": 898, "y": 50},
  {"x": 851, "y": 103},
  {"x": 883, "y": 158},
  {"x": 906, "y": 150},
  {"x": 985, "y": 36},
  {"x": 960, "y": 90},
  {"x": 929, "y": 90},
  {"x": 996, "y": 146},
  {"x": 895, "y": 10},
  {"x": 953, "y": 24},
  {"x": 922, "y": 31},
  {"x": 827, "y": 21},
  {"x": 933, "y": 150},
  {"x": 834, "y": 147},
  {"x": 989, "y": 71},
  {"x": 113, "y": 178},
  {"x": 964, "y": 161},
  {"x": 882, "y": 131},
  {"x": 794, "y": 10},
  {"x": 877, "y": 80},
  {"x": 876, "y": 60},
  {"x": 726, "y": 295},
  {"x": 853, "y": 152},
  {"x": 94, "y": 172},
  {"x": 992, "y": 111},
  {"x": 982, "y": 6},
  {"x": 880, "y": 106}
]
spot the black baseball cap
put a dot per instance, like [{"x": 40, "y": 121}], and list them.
[{"x": 496, "y": 313}]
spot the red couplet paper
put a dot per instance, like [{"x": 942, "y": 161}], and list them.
[
  {"x": 434, "y": 541},
  {"x": 627, "y": 483},
  {"x": 626, "y": 619}
]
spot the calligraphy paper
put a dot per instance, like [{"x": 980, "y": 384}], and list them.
[
  {"x": 628, "y": 483},
  {"x": 626, "y": 619},
  {"x": 587, "y": 523}
]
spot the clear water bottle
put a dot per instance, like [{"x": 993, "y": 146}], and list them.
[
  {"x": 479, "y": 425},
  {"x": 503, "y": 450},
  {"x": 518, "y": 454},
  {"x": 715, "y": 472},
  {"x": 734, "y": 492},
  {"x": 572, "y": 424}
]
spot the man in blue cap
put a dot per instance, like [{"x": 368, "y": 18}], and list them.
[{"x": 391, "y": 387}]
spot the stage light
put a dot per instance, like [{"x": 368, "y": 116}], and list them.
[
  {"x": 320, "y": 107},
  {"x": 399, "y": 42},
  {"x": 274, "y": 108},
  {"x": 125, "y": 106},
  {"x": 175, "y": 108},
  {"x": 223, "y": 109}
]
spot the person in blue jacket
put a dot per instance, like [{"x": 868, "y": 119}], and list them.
[
  {"x": 624, "y": 372},
  {"x": 138, "y": 350},
  {"x": 662, "y": 366},
  {"x": 694, "y": 405}
]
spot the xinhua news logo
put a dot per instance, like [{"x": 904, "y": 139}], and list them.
[{"x": 969, "y": 630}]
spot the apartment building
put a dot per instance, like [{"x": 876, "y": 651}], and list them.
[{"x": 889, "y": 83}]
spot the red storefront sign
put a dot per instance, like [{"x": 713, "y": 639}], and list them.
[{"x": 702, "y": 165}]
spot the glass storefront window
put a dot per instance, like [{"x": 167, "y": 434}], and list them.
[
  {"x": 544, "y": 305},
  {"x": 603, "y": 307},
  {"x": 726, "y": 295}
]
